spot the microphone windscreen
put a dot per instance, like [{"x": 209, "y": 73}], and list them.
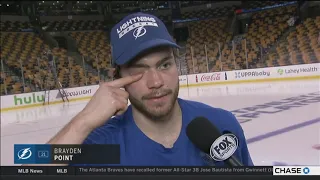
[{"x": 202, "y": 133}]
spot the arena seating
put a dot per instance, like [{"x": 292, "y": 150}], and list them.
[
  {"x": 22, "y": 50},
  {"x": 207, "y": 32},
  {"x": 73, "y": 25},
  {"x": 8, "y": 26},
  {"x": 265, "y": 29},
  {"x": 269, "y": 42},
  {"x": 70, "y": 74},
  {"x": 260, "y": 4},
  {"x": 94, "y": 46},
  {"x": 301, "y": 46},
  {"x": 12, "y": 84},
  {"x": 208, "y": 13},
  {"x": 194, "y": 3}
]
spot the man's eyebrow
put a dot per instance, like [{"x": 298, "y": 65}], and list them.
[{"x": 141, "y": 65}]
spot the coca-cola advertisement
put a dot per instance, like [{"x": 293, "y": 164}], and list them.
[{"x": 210, "y": 77}]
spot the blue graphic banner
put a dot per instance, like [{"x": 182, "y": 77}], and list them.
[
  {"x": 66, "y": 154},
  {"x": 32, "y": 154}
]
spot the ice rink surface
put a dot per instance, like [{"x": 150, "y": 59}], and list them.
[{"x": 281, "y": 120}]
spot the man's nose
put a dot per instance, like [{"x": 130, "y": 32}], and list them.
[{"x": 154, "y": 79}]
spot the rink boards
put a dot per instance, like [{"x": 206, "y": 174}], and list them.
[{"x": 281, "y": 73}]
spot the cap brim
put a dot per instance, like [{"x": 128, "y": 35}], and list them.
[{"x": 127, "y": 56}]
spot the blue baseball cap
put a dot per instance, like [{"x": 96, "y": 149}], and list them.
[{"x": 135, "y": 34}]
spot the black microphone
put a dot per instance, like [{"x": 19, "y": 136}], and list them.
[{"x": 205, "y": 136}]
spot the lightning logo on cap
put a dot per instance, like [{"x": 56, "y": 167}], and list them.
[{"x": 140, "y": 31}]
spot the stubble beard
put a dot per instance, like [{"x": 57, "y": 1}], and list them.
[{"x": 160, "y": 111}]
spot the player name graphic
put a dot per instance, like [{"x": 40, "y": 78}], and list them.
[
  {"x": 67, "y": 150},
  {"x": 65, "y": 154}
]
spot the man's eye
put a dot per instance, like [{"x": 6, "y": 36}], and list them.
[{"x": 165, "y": 65}]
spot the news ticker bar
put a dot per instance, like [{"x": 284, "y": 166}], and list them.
[
  {"x": 99, "y": 170},
  {"x": 66, "y": 154},
  {"x": 70, "y": 170}
]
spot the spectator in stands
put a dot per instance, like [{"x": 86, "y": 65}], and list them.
[{"x": 152, "y": 130}]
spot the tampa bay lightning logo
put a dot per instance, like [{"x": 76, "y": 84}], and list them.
[
  {"x": 24, "y": 153},
  {"x": 140, "y": 31}
]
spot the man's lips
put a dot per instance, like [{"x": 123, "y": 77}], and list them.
[{"x": 157, "y": 97}]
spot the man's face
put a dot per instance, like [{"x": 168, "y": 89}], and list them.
[{"x": 156, "y": 92}]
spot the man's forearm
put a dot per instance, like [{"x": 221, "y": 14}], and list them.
[{"x": 73, "y": 133}]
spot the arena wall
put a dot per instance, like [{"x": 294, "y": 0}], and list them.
[{"x": 281, "y": 73}]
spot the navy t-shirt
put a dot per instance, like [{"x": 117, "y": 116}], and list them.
[{"x": 136, "y": 149}]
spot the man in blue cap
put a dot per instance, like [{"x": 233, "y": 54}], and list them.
[{"x": 152, "y": 130}]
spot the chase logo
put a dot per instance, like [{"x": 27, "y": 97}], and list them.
[
  {"x": 295, "y": 170},
  {"x": 306, "y": 170},
  {"x": 24, "y": 153}
]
